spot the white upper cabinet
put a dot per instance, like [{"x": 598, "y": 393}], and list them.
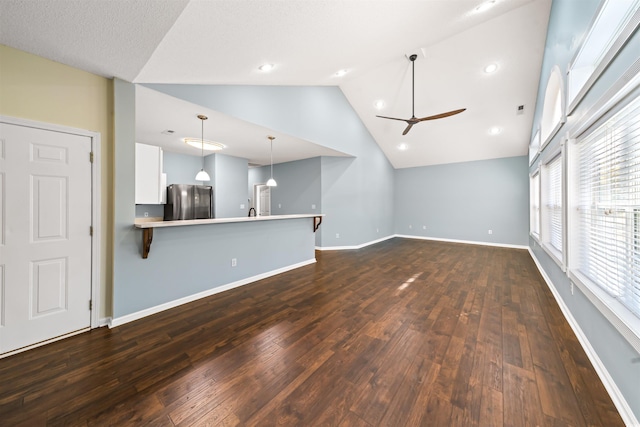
[{"x": 150, "y": 181}]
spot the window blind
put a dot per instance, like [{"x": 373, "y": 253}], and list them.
[
  {"x": 552, "y": 194},
  {"x": 608, "y": 211},
  {"x": 534, "y": 201}
]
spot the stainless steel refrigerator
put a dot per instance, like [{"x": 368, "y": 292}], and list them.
[{"x": 185, "y": 201}]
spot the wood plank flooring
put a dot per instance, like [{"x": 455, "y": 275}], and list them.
[{"x": 403, "y": 333}]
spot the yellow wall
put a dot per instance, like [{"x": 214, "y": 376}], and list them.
[{"x": 35, "y": 88}]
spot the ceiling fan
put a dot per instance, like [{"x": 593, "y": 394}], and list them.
[{"x": 413, "y": 120}]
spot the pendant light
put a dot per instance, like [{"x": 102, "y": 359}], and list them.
[
  {"x": 202, "y": 175},
  {"x": 272, "y": 182}
]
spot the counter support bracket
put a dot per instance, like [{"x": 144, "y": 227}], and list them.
[
  {"x": 317, "y": 220},
  {"x": 147, "y": 238}
]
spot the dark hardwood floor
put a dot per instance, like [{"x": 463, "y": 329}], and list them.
[{"x": 403, "y": 333}]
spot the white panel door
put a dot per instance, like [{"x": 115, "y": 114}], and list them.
[
  {"x": 45, "y": 241},
  {"x": 262, "y": 197}
]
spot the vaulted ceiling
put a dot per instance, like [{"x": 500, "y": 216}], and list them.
[{"x": 224, "y": 42}]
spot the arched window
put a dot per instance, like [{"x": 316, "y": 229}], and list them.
[{"x": 552, "y": 109}]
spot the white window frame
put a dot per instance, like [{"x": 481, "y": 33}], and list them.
[
  {"x": 600, "y": 28},
  {"x": 557, "y": 254},
  {"x": 534, "y": 146},
  {"x": 534, "y": 205},
  {"x": 621, "y": 317}
]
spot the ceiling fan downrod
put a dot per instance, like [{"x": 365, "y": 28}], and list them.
[{"x": 413, "y": 58}]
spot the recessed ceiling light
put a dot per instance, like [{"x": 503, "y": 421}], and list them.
[
  {"x": 341, "y": 73},
  {"x": 495, "y": 130},
  {"x": 379, "y": 104},
  {"x": 403, "y": 147},
  {"x": 208, "y": 145},
  {"x": 483, "y": 7},
  {"x": 491, "y": 68},
  {"x": 266, "y": 67}
]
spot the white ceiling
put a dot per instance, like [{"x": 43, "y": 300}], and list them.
[{"x": 224, "y": 42}]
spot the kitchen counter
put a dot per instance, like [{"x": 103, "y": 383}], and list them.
[{"x": 148, "y": 225}]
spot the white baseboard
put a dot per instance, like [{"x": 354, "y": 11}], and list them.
[
  {"x": 617, "y": 397},
  {"x": 407, "y": 236},
  {"x": 175, "y": 303},
  {"x": 467, "y": 242},
  {"x": 104, "y": 321},
  {"x": 345, "y": 248}
]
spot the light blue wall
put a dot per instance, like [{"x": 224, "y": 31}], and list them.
[
  {"x": 462, "y": 201},
  {"x": 356, "y": 192},
  {"x": 298, "y": 187},
  {"x": 182, "y": 168},
  {"x": 184, "y": 261},
  {"x": 150, "y": 211},
  {"x": 314, "y": 113},
  {"x": 568, "y": 23},
  {"x": 187, "y": 260},
  {"x": 372, "y": 216},
  {"x": 231, "y": 181},
  {"x": 124, "y": 175}
]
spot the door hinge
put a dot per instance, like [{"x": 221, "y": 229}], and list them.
[
  {"x": 91, "y": 230},
  {"x": 90, "y": 304},
  {"x": 91, "y": 156}
]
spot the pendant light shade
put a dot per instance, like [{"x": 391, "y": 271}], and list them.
[
  {"x": 271, "y": 182},
  {"x": 202, "y": 175}
]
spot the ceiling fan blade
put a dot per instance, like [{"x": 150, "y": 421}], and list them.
[
  {"x": 443, "y": 115},
  {"x": 392, "y": 118},
  {"x": 408, "y": 128}
]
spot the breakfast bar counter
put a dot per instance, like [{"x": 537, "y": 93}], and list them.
[{"x": 147, "y": 226}]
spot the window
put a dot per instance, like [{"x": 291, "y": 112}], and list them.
[
  {"x": 552, "y": 111},
  {"x": 534, "y": 195},
  {"x": 606, "y": 218},
  {"x": 551, "y": 214},
  {"x": 615, "y": 22}
]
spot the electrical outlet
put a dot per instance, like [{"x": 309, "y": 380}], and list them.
[
  {"x": 146, "y": 214},
  {"x": 279, "y": 205},
  {"x": 424, "y": 227},
  {"x": 313, "y": 207},
  {"x": 234, "y": 262},
  {"x": 242, "y": 206},
  {"x": 490, "y": 231},
  {"x": 377, "y": 230},
  {"x": 410, "y": 226},
  {"x": 337, "y": 235}
]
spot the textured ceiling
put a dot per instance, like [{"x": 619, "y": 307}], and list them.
[
  {"x": 224, "y": 42},
  {"x": 105, "y": 37}
]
